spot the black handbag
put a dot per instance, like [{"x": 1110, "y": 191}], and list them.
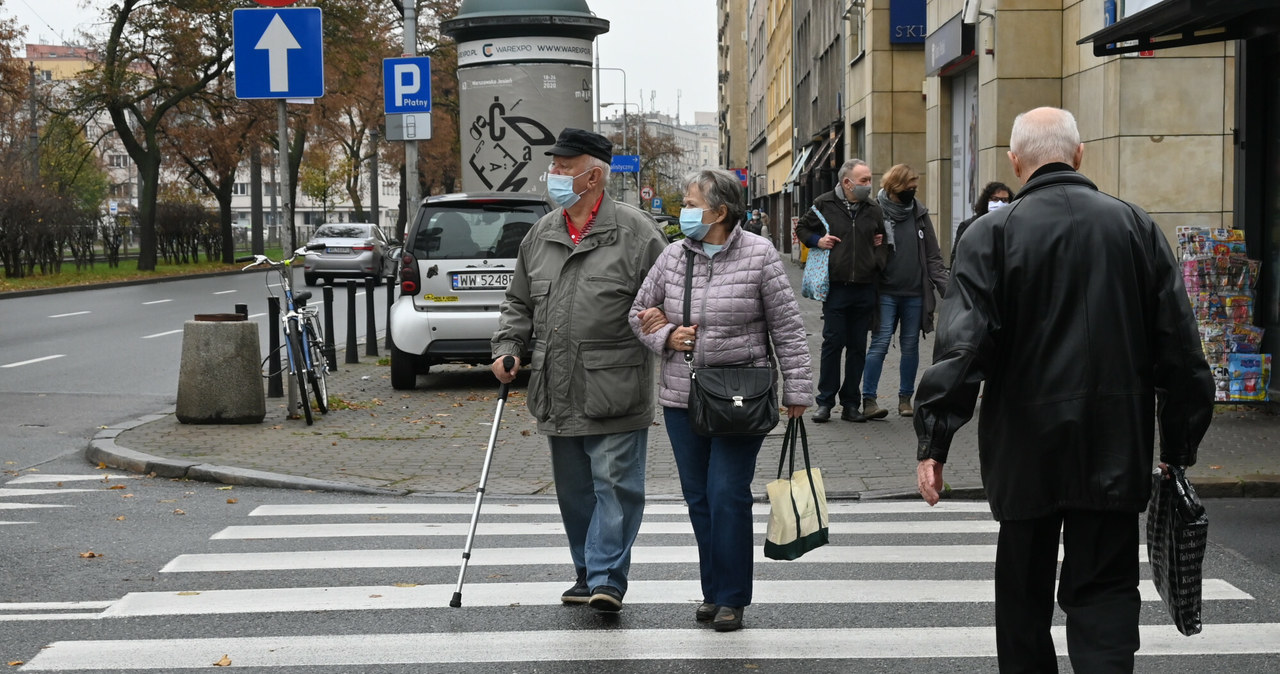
[
  {"x": 732, "y": 400},
  {"x": 1177, "y": 534}
]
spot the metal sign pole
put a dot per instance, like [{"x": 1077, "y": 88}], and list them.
[{"x": 282, "y": 119}]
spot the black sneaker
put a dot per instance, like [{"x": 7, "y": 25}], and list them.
[
  {"x": 728, "y": 619},
  {"x": 578, "y": 594},
  {"x": 607, "y": 599},
  {"x": 706, "y": 611}
]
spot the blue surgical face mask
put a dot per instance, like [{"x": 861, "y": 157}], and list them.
[
  {"x": 691, "y": 224},
  {"x": 561, "y": 188}
]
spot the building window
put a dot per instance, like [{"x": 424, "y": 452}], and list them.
[
  {"x": 857, "y": 25},
  {"x": 240, "y": 189},
  {"x": 118, "y": 160}
]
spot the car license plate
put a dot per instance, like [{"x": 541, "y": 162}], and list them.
[
  {"x": 338, "y": 249},
  {"x": 481, "y": 280}
]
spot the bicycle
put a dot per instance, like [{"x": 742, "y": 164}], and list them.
[{"x": 303, "y": 338}]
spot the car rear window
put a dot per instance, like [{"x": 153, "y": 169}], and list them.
[
  {"x": 342, "y": 232},
  {"x": 468, "y": 231}
]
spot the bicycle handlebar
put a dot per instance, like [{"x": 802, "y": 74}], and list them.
[{"x": 246, "y": 258}]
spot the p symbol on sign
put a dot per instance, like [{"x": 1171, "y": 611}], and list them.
[{"x": 408, "y": 81}]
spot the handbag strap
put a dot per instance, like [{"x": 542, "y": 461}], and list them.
[
  {"x": 688, "y": 301},
  {"x": 818, "y": 213}
]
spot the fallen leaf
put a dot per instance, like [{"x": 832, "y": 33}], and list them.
[
  {"x": 1215, "y": 467},
  {"x": 231, "y": 500},
  {"x": 15, "y": 663},
  {"x": 525, "y": 432},
  {"x": 126, "y": 496},
  {"x": 59, "y": 484},
  {"x": 375, "y": 596},
  {"x": 188, "y": 593},
  {"x": 226, "y": 488},
  {"x": 167, "y": 500},
  {"x": 751, "y": 666},
  {"x": 102, "y": 466},
  {"x": 179, "y": 511},
  {"x": 224, "y": 662},
  {"x": 405, "y": 584},
  {"x": 89, "y": 555},
  {"x": 333, "y": 444},
  {"x": 116, "y": 486},
  {"x": 120, "y": 518}
]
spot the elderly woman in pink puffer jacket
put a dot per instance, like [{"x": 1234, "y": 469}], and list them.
[{"x": 741, "y": 300}]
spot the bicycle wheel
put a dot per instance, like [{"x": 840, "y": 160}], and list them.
[
  {"x": 294, "y": 337},
  {"x": 319, "y": 367}
]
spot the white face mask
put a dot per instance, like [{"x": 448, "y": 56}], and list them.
[{"x": 996, "y": 205}]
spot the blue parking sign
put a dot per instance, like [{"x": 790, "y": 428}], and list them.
[
  {"x": 279, "y": 53},
  {"x": 406, "y": 85}
]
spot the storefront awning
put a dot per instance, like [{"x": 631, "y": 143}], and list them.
[
  {"x": 820, "y": 159},
  {"x": 819, "y": 150},
  {"x": 796, "y": 168},
  {"x": 1178, "y": 23}
]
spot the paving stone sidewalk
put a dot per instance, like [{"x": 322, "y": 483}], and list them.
[{"x": 433, "y": 440}]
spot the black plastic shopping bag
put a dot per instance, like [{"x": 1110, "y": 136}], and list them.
[{"x": 1177, "y": 533}]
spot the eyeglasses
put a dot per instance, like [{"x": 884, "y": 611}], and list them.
[{"x": 1001, "y": 199}]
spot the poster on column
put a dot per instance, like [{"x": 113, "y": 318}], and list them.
[{"x": 511, "y": 114}]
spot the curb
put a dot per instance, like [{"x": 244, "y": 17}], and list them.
[
  {"x": 103, "y": 450},
  {"x": 114, "y": 284}
]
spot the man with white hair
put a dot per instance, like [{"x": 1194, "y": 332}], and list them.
[
  {"x": 591, "y": 381},
  {"x": 1069, "y": 304}
]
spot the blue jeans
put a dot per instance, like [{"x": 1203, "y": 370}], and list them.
[
  {"x": 846, "y": 318},
  {"x": 600, "y": 488},
  {"x": 715, "y": 476},
  {"x": 895, "y": 310}
]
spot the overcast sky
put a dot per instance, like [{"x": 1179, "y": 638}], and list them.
[{"x": 666, "y": 47}]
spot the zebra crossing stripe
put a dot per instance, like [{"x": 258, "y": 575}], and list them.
[
  {"x": 385, "y": 597},
  {"x": 911, "y": 506},
  {"x": 540, "y": 556},
  {"x": 42, "y": 478},
  {"x": 13, "y": 493},
  {"x": 682, "y": 527},
  {"x": 355, "y": 650}
]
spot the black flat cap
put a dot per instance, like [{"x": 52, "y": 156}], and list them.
[{"x": 574, "y": 142}]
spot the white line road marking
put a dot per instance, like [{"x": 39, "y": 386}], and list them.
[
  {"x": 55, "y": 605},
  {"x": 31, "y": 478},
  {"x": 156, "y": 302},
  {"x": 10, "y": 493},
  {"x": 163, "y": 334},
  {"x": 391, "y": 559},
  {"x": 25, "y": 506},
  {"x": 367, "y": 529},
  {"x": 3, "y": 523},
  {"x": 73, "y": 313},
  {"x": 252, "y": 316},
  {"x": 384, "y": 597},
  {"x": 356, "y": 650},
  {"x": 28, "y": 617},
  {"x": 867, "y": 508},
  {"x": 34, "y": 360},
  {"x": 224, "y": 292}
]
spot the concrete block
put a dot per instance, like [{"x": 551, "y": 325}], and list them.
[{"x": 219, "y": 379}]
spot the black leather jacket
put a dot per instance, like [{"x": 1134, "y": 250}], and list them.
[
  {"x": 1069, "y": 304},
  {"x": 856, "y": 259}
]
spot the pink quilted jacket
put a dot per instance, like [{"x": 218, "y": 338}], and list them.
[{"x": 740, "y": 297}]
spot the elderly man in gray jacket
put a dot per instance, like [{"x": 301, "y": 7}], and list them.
[{"x": 591, "y": 381}]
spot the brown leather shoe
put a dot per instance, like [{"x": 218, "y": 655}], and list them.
[
  {"x": 871, "y": 410},
  {"x": 904, "y": 406}
]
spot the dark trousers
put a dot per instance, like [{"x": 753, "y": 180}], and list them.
[
  {"x": 1097, "y": 589},
  {"x": 846, "y": 319},
  {"x": 715, "y": 476}
]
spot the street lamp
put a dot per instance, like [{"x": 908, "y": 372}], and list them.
[
  {"x": 624, "y": 105},
  {"x": 597, "y": 93}
]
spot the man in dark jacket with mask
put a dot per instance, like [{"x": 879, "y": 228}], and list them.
[
  {"x": 854, "y": 233},
  {"x": 1069, "y": 304}
]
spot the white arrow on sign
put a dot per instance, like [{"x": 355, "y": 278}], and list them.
[{"x": 277, "y": 40}]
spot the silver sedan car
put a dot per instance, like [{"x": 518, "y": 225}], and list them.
[{"x": 351, "y": 250}]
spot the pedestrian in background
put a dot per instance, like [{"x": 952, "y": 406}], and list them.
[
  {"x": 848, "y": 222},
  {"x": 1069, "y": 304},
  {"x": 994, "y": 196},
  {"x": 590, "y": 379},
  {"x": 909, "y": 288},
  {"x": 753, "y": 223},
  {"x": 741, "y": 302}
]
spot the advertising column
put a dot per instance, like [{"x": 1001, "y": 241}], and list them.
[{"x": 524, "y": 73}]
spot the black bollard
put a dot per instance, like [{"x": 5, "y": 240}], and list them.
[
  {"x": 275, "y": 380},
  {"x": 330, "y": 353},
  {"x": 370, "y": 320},
  {"x": 353, "y": 354},
  {"x": 391, "y": 300},
  {"x": 243, "y": 310}
]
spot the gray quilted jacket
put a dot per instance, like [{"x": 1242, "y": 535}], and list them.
[{"x": 740, "y": 298}]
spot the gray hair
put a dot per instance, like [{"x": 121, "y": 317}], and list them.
[
  {"x": 849, "y": 165},
  {"x": 1044, "y": 135},
  {"x": 719, "y": 188},
  {"x": 596, "y": 162}
]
